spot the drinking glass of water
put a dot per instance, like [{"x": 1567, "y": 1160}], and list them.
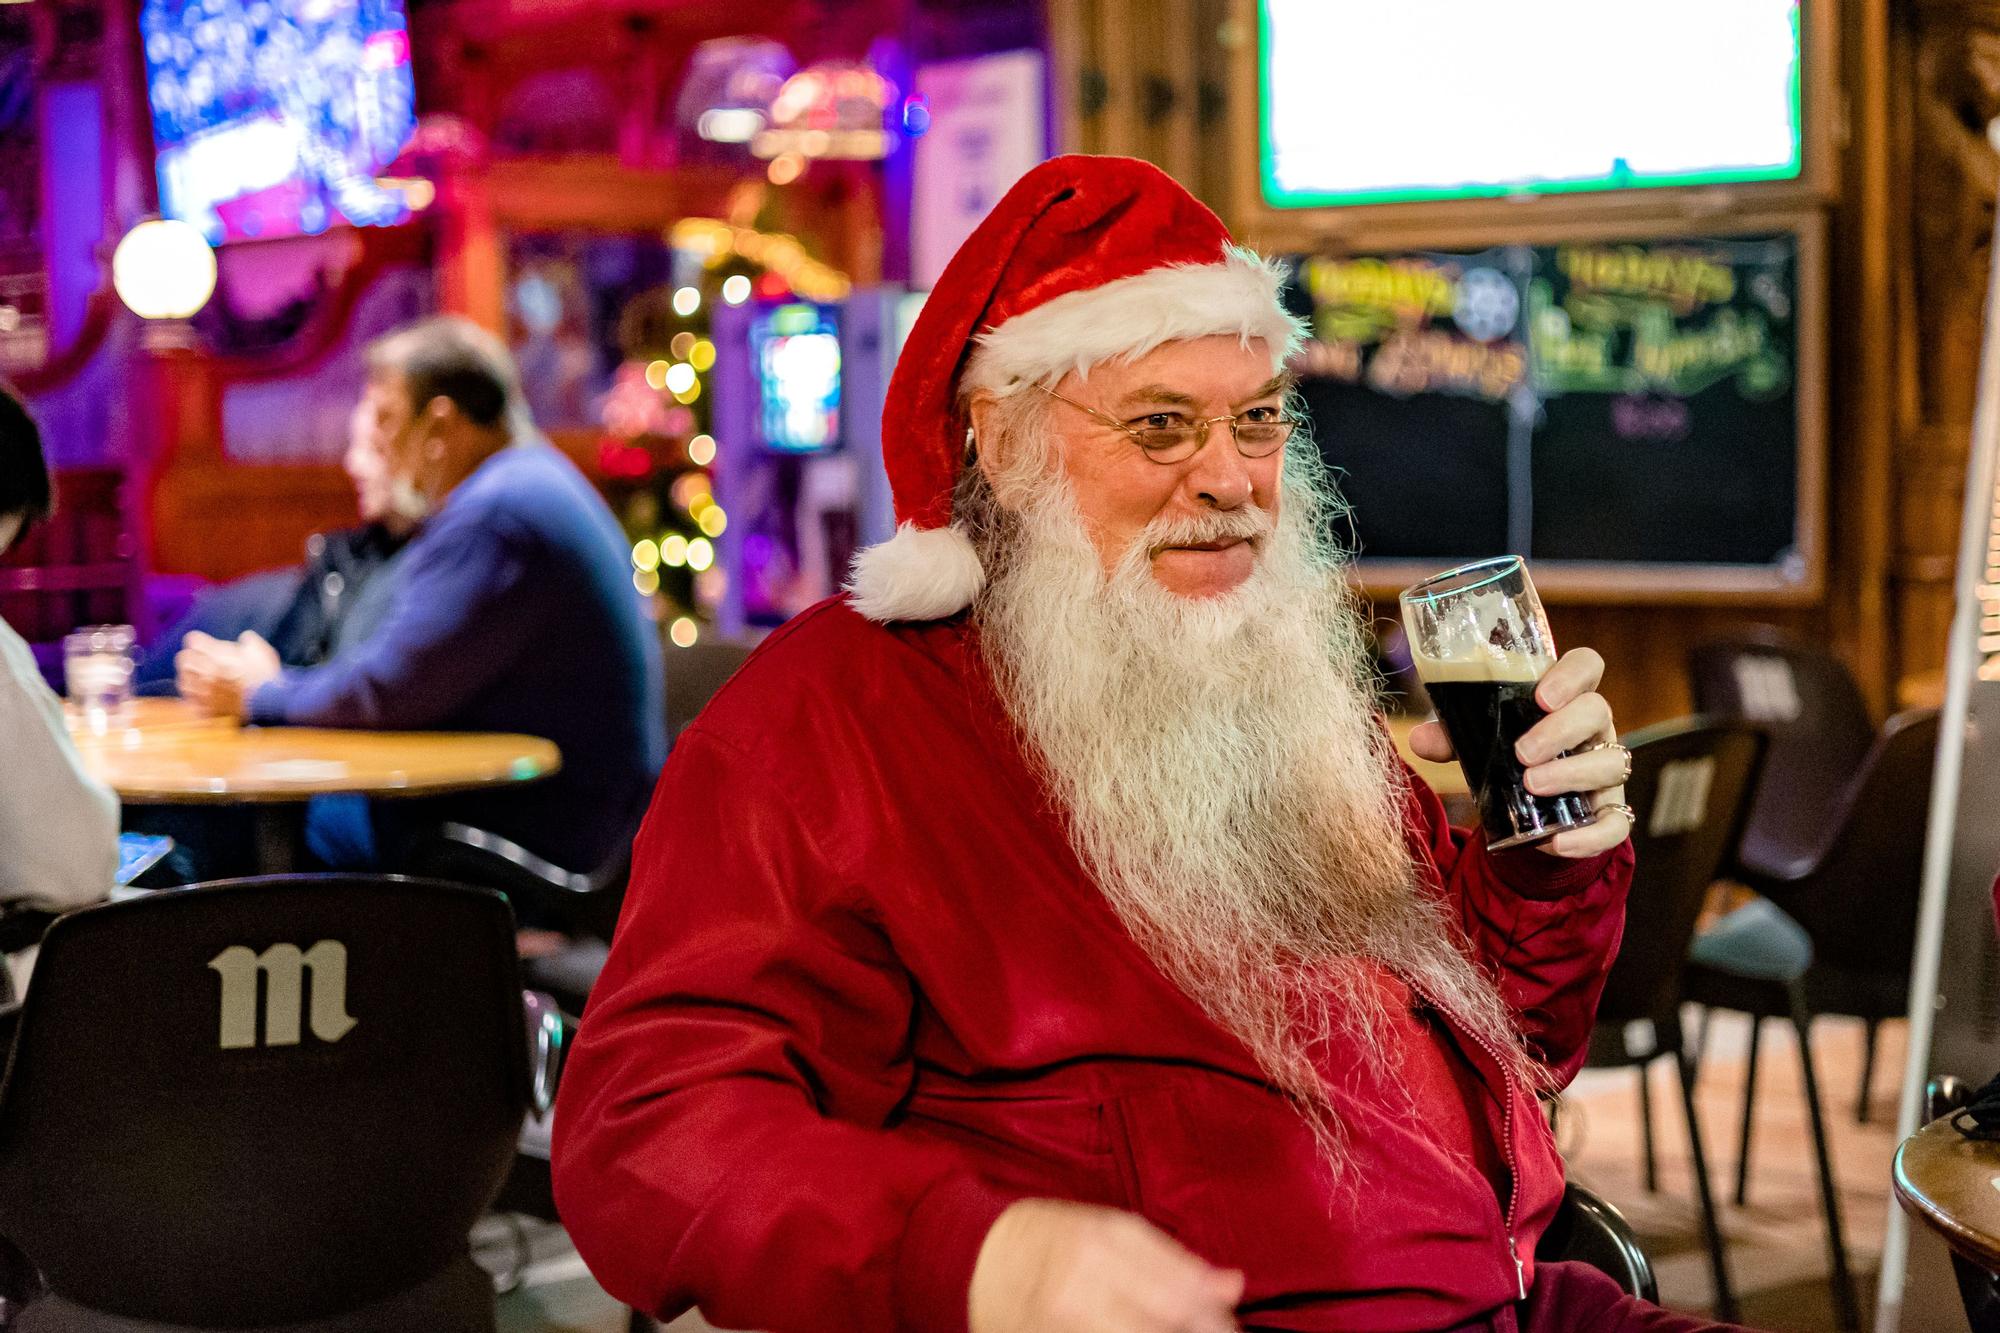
[
  {"x": 1481, "y": 643},
  {"x": 97, "y": 669}
]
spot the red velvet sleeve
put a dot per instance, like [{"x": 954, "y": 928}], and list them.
[
  {"x": 1547, "y": 927},
  {"x": 720, "y": 1134}
]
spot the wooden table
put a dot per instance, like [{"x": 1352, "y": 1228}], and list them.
[
  {"x": 166, "y": 752},
  {"x": 151, "y": 715},
  {"x": 1952, "y": 1185}
]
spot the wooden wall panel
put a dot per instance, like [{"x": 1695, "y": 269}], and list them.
[
  {"x": 1883, "y": 606},
  {"x": 1948, "y": 53}
]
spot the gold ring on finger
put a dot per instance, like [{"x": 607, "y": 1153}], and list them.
[
  {"x": 1626, "y": 754},
  {"x": 1631, "y": 815}
]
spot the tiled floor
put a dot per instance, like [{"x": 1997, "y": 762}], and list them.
[{"x": 1777, "y": 1249}]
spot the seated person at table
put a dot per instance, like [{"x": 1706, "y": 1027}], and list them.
[
  {"x": 58, "y": 828},
  {"x": 311, "y": 612},
  {"x": 512, "y": 610},
  {"x": 1066, "y": 947}
]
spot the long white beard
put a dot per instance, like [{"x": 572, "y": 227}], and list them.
[{"x": 1224, "y": 775}]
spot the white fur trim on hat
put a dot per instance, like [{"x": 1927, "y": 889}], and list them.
[
  {"x": 1131, "y": 316},
  {"x": 918, "y": 574}
]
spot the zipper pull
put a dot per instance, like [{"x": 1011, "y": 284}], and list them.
[{"x": 1520, "y": 1272}]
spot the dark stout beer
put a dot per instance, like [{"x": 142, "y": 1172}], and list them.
[
  {"x": 1480, "y": 642},
  {"x": 1484, "y": 718}
]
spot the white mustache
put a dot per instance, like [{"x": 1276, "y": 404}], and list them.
[{"x": 1249, "y": 523}]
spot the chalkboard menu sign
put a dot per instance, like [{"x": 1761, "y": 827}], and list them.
[{"x": 1627, "y": 415}]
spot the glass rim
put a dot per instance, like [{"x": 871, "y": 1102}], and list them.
[
  {"x": 1480, "y": 573},
  {"x": 100, "y": 638}
]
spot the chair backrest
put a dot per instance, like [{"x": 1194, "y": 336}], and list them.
[
  {"x": 1820, "y": 730},
  {"x": 1861, "y": 907},
  {"x": 262, "y": 1101},
  {"x": 695, "y": 673},
  {"x": 1691, "y": 783},
  {"x": 1587, "y": 1230},
  {"x": 543, "y": 894}
]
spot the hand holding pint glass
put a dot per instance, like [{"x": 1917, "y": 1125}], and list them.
[{"x": 1534, "y": 739}]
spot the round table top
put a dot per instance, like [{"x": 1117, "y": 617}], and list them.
[
  {"x": 1952, "y": 1185},
  {"x": 165, "y": 751},
  {"x": 149, "y": 715}
]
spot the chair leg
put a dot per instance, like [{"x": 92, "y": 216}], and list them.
[
  {"x": 1749, "y": 1113},
  {"x": 1846, "y": 1309},
  {"x": 1650, "y": 1159},
  {"x": 1867, "y": 1070},
  {"x": 1701, "y": 1036},
  {"x": 1725, "y": 1297}
]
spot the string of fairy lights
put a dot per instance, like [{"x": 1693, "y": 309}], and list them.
[{"x": 663, "y": 398}]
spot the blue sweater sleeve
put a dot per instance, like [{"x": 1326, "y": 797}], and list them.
[{"x": 468, "y": 604}]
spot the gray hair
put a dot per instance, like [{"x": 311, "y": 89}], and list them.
[{"x": 452, "y": 358}]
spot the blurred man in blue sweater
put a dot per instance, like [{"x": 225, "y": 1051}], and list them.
[{"x": 513, "y": 610}]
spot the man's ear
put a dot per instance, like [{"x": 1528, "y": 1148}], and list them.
[{"x": 986, "y": 437}]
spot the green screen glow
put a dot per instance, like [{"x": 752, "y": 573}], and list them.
[{"x": 1365, "y": 101}]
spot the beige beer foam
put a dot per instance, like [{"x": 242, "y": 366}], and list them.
[{"x": 1490, "y": 667}]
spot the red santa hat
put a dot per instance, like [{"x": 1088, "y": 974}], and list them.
[{"x": 1086, "y": 260}]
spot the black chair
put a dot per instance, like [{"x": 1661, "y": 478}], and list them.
[
  {"x": 1856, "y": 899},
  {"x": 530, "y": 1187},
  {"x": 1691, "y": 783},
  {"x": 277, "y": 1101},
  {"x": 695, "y": 673},
  {"x": 1820, "y": 730},
  {"x": 583, "y": 907},
  {"x": 21, "y": 928},
  {"x": 1587, "y": 1230}
]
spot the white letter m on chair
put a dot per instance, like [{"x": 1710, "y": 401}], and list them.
[{"x": 283, "y": 968}]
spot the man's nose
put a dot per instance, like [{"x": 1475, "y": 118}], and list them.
[{"x": 1218, "y": 476}]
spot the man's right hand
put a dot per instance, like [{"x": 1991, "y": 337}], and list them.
[{"x": 1054, "y": 1267}]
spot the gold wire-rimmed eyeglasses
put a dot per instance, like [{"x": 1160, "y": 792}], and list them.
[{"x": 1255, "y": 437}]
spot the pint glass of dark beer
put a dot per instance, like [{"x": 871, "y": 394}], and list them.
[{"x": 1481, "y": 643}]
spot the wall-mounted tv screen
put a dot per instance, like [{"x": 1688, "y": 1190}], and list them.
[
  {"x": 1368, "y": 101},
  {"x": 273, "y": 117},
  {"x": 796, "y": 349}
]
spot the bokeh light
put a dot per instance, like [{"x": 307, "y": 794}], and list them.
[
  {"x": 646, "y": 555},
  {"x": 674, "y": 550},
  {"x": 682, "y": 344},
  {"x": 646, "y": 581},
  {"x": 656, "y": 375},
  {"x": 701, "y": 450},
  {"x": 712, "y": 520},
  {"x": 700, "y": 554},
  {"x": 701, "y": 355},
  {"x": 163, "y": 269},
  {"x": 679, "y": 378},
  {"x": 684, "y": 632},
  {"x": 686, "y": 301},
  {"x": 736, "y": 289}
]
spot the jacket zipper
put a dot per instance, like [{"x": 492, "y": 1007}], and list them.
[{"x": 1506, "y": 1137}]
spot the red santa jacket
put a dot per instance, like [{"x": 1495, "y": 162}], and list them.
[{"x": 864, "y": 996}]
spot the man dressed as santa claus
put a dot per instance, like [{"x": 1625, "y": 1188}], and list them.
[{"x": 1045, "y": 936}]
